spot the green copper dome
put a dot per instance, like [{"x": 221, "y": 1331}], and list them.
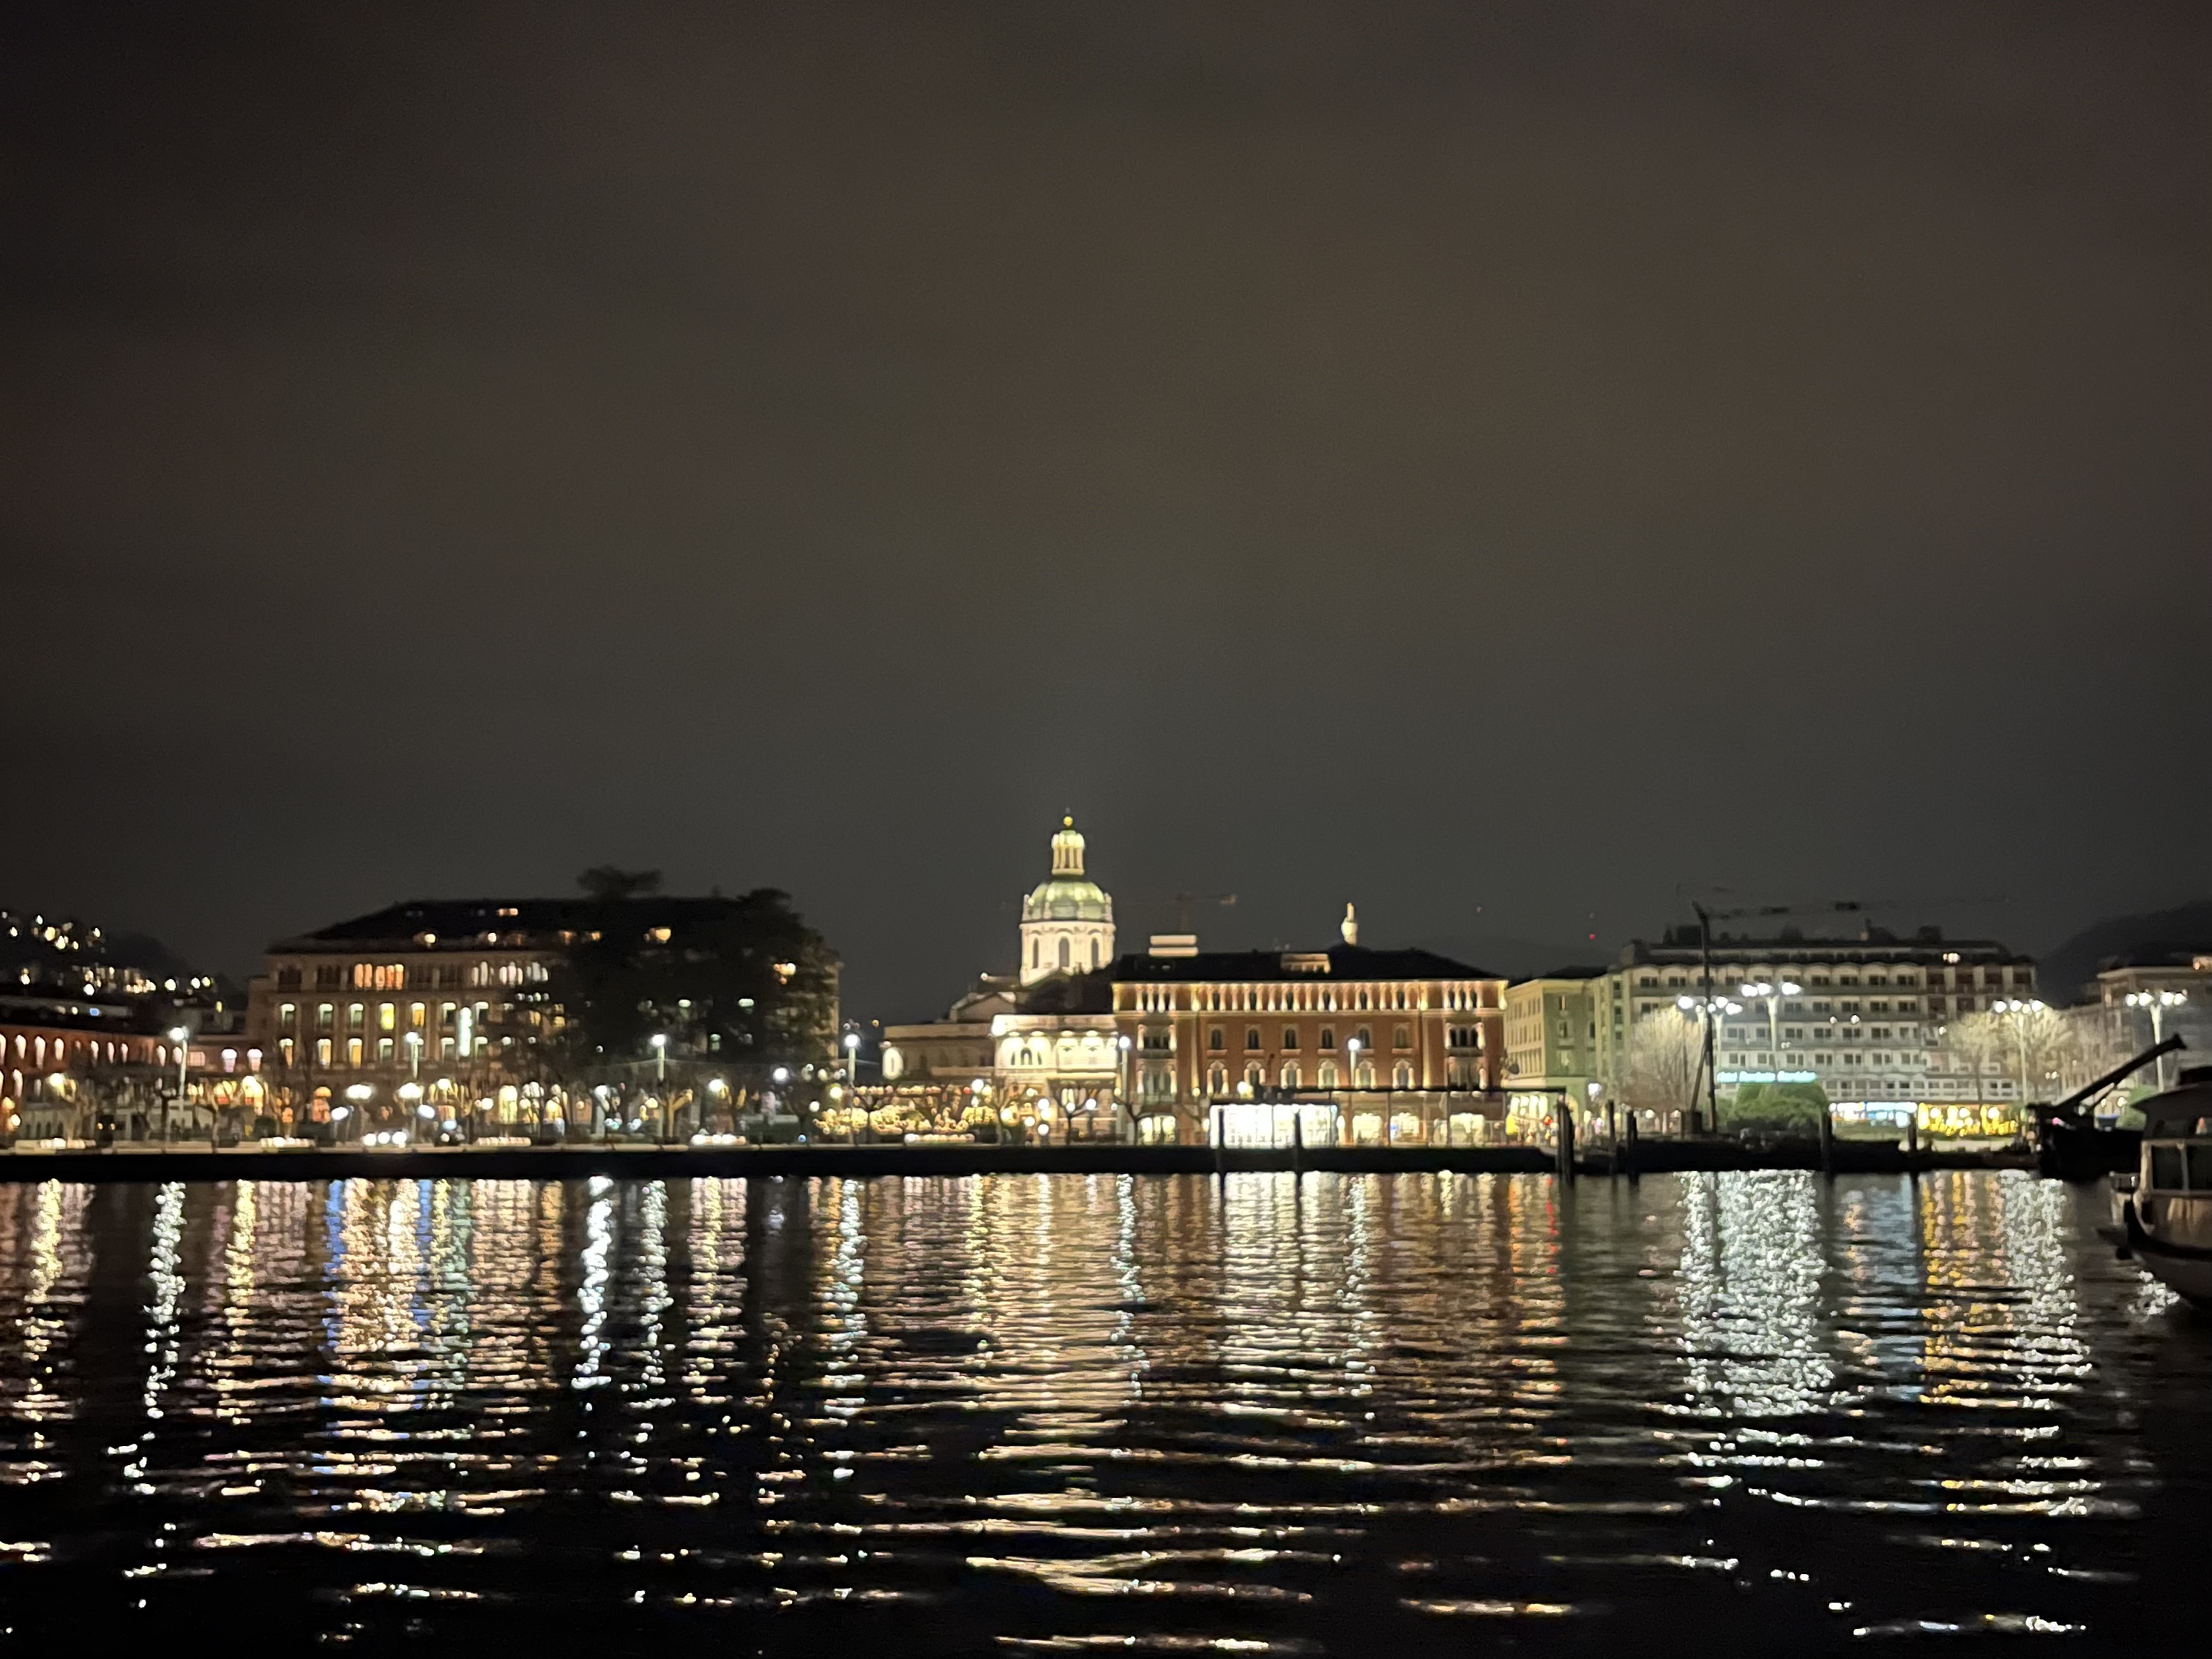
[{"x": 1068, "y": 899}]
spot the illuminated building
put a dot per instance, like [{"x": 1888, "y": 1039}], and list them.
[
  {"x": 1067, "y": 920},
  {"x": 1041, "y": 1040},
  {"x": 460, "y": 996},
  {"x": 1550, "y": 1040},
  {"x": 1865, "y": 1018},
  {"x": 1350, "y": 1044}
]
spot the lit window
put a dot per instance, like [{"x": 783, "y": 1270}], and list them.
[
  {"x": 387, "y": 1017},
  {"x": 353, "y": 1053},
  {"x": 324, "y": 1012},
  {"x": 323, "y": 1053},
  {"x": 287, "y": 1014},
  {"x": 384, "y": 1051},
  {"x": 357, "y": 1016},
  {"x": 419, "y": 1015}
]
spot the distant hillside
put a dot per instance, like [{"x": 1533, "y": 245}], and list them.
[{"x": 2068, "y": 967}]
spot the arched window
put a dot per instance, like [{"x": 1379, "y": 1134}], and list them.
[
  {"x": 1366, "y": 1077},
  {"x": 1035, "y": 947},
  {"x": 1096, "y": 946},
  {"x": 1254, "y": 1075},
  {"x": 1063, "y": 952},
  {"x": 1252, "y": 1039},
  {"x": 1402, "y": 1076},
  {"x": 1217, "y": 1081},
  {"x": 1290, "y": 1036},
  {"x": 1367, "y": 1038},
  {"x": 1291, "y": 1074},
  {"x": 1217, "y": 1039},
  {"x": 1402, "y": 1037},
  {"x": 1327, "y": 1074}
]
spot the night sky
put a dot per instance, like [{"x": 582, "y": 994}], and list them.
[{"x": 1510, "y": 467}]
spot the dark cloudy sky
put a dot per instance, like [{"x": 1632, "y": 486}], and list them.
[{"x": 1504, "y": 465}]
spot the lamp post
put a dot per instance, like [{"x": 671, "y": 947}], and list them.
[
  {"x": 2015, "y": 1011},
  {"x": 1125, "y": 1114},
  {"x": 851, "y": 1060},
  {"x": 182, "y": 1038},
  {"x": 1771, "y": 995},
  {"x": 660, "y": 1079},
  {"x": 2157, "y": 1002},
  {"x": 1709, "y": 1009}
]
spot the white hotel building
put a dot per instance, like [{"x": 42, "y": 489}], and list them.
[{"x": 1865, "y": 1018}]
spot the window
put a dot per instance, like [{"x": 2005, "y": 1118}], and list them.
[
  {"x": 1216, "y": 1080},
  {"x": 1400, "y": 1038},
  {"x": 1402, "y": 1076},
  {"x": 1063, "y": 953},
  {"x": 323, "y": 1053},
  {"x": 353, "y": 1053},
  {"x": 1253, "y": 1075},
  {"x": 448, "y": 976},
  {"x": 288, "y": 1014},
  {"x": 384, "y": 1051},
  {"x": 417, "y": 1015},
  {"x": 1251, "y": 1035},
  {"x": 387, "y": 1017},
  {"x": 288, "y": 978},
  {"x": 2166, "y": 1168},
  {"x": 1216, "y": 1039},
  {"x": 1367, "y": 1038},
  {"x": 324, "y": 1013},
  {"x": 380, "y": 976},
  {"x": 1096, "y": 948},
  {"x": 445, "y": 1012},
  {"x": 329, "y": 977},
  {"x": 445, "y": 1047},
  {"x": 1290, "y": 1033},
  {"x": 1291, "y": 1074},
  {"x": 357, "y": 1016},
  {"x": 1036, "y": 948},
  {"x": 1329, "y": 1036}
]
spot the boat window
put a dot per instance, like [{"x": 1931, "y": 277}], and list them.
[
  {"x": 2200, "y": 1166},
  {"x": 2166, "y": 1168}
]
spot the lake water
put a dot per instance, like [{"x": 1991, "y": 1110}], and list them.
[{"x": 1095, "y": 1414}]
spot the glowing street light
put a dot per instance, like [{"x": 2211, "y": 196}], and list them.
[
  {"x": 2015, "y": 1010},
  {"x": 1351, "y": 1061},
  {"x": 2157, "y": 1002},
  {"x": 181, "y": 1037},
  {"x": 1771, "y": 994}
]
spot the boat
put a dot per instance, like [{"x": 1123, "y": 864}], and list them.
[
  {"x": 2069, "y": 1144},
  {"x": 2162, "y": 1211}
]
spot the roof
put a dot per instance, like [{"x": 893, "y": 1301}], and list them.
[
  {"x": 1566, "y": 973},
  {"x": 1340, "y": 962},
  {"x": 518, "y": 922}
]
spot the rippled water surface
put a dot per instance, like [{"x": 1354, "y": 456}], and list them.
[{"x": 1071, "y": 1414}]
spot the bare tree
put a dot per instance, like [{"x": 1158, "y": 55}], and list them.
[
  {"x": 1977, "y": 1041},
  {"x": 1666, "y": 1053}
]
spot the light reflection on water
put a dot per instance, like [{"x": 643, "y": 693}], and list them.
[{"x": 1337, "y": 1414}]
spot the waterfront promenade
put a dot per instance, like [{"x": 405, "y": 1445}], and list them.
[{"x": 1653, "y": 1156}]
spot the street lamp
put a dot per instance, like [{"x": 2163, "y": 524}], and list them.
[
  {"x": 2016, "y": 1010},
  {"x": 181, "y": 1037},
  {"x": 1771, "y": 995},
  {"x": 414, "y": 1056},
  {"x": 1351, "y": 1062},
  {"x": 661, "y": 1078},
  {"x": 2157, "y": 1002},
  {"x": 1124, "y": 1105},
  {"x": 852, "y": 1059}
]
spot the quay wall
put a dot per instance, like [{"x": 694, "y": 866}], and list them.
[{"x": 1652, "y": 1157}]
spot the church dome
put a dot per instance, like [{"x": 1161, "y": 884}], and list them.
[
  {"x": 1067, "y": 920},
  {"x": 1067, "y": 894}
]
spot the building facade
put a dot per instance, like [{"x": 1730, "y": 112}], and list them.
[
  {"x": 1551, "y": 1041},
  {"x": 1068, "y": 919},
  {"x": 1866, "y": 1018},
  {"x": 1348, "y": 1045}
]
